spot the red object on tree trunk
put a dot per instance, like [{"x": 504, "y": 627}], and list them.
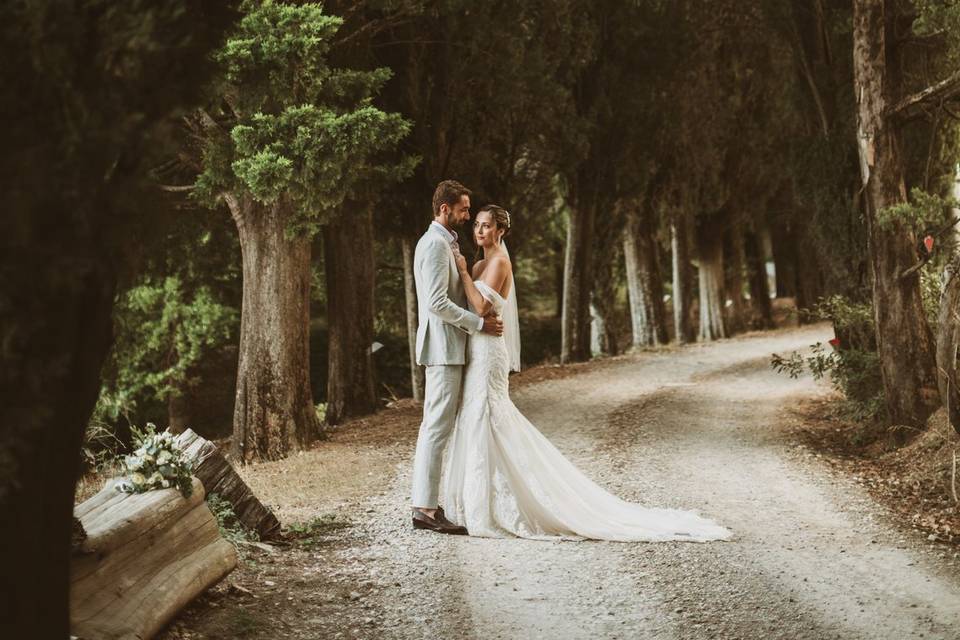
[
  {"x": 835, "y": 343},
  {"x": 928, "y": 243}
]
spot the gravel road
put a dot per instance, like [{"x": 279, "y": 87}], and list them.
[{"x": 701, "y": 427}]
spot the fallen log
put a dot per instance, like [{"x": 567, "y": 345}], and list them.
[
  {"x": 219, "y": 477},
  {"x": 144, "y": 558}
]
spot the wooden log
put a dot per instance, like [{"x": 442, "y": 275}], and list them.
[
  {"x": 144, "y": 558},
  {"x": 218, "y": 476}
]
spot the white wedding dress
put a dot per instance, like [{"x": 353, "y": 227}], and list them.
[{"x": 503, "y": 477}]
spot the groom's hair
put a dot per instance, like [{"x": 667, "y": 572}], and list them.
[{"x": 449, "y": 193}]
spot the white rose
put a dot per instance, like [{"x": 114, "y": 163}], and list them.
[
  {"x": 165, "y": 483},
  {"x": 137, "y": 479}
]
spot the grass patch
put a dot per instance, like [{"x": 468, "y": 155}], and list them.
[{"x": 306, "y": 533}]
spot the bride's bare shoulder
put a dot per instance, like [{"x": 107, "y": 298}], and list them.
[{"x": 501, "y": 263}]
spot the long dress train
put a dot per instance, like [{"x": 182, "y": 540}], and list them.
[{"x": 503, "y": 477}]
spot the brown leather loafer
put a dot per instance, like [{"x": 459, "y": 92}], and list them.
[{"x": 438, "y": 523}]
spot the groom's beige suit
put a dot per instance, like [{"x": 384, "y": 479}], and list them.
[{"x": 441, "y": 348}]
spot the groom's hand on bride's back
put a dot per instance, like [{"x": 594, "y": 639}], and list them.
[{"x": 492, "y": 325}]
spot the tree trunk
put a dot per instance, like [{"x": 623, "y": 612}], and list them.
[
  {"x": 219, "y": 477},
  {"x": 948, "y": 339},
  {"x": 783, "y": 242},
  {"x": 759, "y": 285},
  {"x": 598, "y": 331},
  {"x": 350, "y": 267},
  {"x": 904, "y": 341},
  {"x": 644, "y": 283},
  {"x": 809, "y": 288},
  {"x": 559, "y": 270},
  {"x": 577, "y": 285},
  {"x": 606, "y": 325},
  {"x": 733, "y": 280},
  {"x": 55, "y": 323},
  {"x": 654, "y": 274},
  {"x": 178, "y": 410},
  {"x": 410, "y": 297},
  {"x": 710, "y": 254},
  {"x": 274, "y": 412},
  {"x": 682, "y": 281}
]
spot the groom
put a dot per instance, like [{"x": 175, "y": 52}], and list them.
[{"x": 441, "y": 346}]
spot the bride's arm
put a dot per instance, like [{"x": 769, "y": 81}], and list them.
[
  {"x": 474, "y": 297},
  {"x": 494, "y": 275}
]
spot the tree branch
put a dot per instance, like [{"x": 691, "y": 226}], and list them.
[{"x": 912, "y": 106}]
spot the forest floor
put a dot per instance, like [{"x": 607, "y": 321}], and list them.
[{"x": 816, "y": 553}]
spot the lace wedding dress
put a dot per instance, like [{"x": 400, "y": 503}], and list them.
[{"x": 503, "y": 477}]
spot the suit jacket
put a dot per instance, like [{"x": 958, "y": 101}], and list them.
[{"x": 444, "y": 320}]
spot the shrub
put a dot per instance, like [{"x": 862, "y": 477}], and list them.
[{"x": 850, "y": 360}]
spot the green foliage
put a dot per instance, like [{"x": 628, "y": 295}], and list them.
[
  {"x": 230, "y": 526},
  {"x": 853, "y": 321},
  {"x": 923, "y": 211},
  {"x": 163, "y": 331},
  {"x": 298, "y": 133},
  {"x": 307, "y": 532},
  {"x": 852, "y": 364},
  {"x": 938, "y": 18}
]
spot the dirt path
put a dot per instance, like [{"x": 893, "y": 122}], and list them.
[{"x": 702, "y": 427}]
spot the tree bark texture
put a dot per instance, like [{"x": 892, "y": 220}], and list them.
[
  {"x": 607, "y": 325},
  {"x": 904, "y": 341},
  {"x": 733, "y": 280},
  {"x": 219, "y": 477},
  {"x": 350, "y": 271},
  {"x": 641, "y": 254},
  {"x": 682, "y": 281},
  {"x": 759, "y": 284},
  {"x": 410, "y": 298},
  {"x": 948, "y": 339},
  {"x": 577, "y": 285},
  {"x": 55, "y": 324},
  {"x": 809, "y": 278},
  {"x": 178, "y": 410},
  {"x": 710, "y": 255},
  {"x": 274, "y": 413},
  {"x": 783, "y": 242},
  {"x": 155, "y": 548}
]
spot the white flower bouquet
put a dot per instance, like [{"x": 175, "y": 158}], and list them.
[{"x": 158, "y": 463}]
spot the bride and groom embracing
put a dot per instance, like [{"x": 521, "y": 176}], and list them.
[{"x": 502, "y": 476}]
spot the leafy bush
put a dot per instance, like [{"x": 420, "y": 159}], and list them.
[
  {"x": 230, "y": 526},
  {"x": 850, "y": 360}
]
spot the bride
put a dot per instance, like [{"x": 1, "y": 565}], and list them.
[{"x": 502, "y": 476}]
